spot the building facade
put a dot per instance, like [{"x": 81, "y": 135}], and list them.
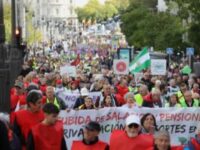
[{"x": 54, "y": 17}]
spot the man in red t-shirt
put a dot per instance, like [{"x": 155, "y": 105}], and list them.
[
  {"x": 17, "y": 99},
  {"x": 90, "y": 139},
  {"x": 27, "y": 118},
  {"x": 42, "y": 135},
  {"x": 130, "y": 138}
]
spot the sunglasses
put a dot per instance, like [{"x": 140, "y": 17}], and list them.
[{"x": 133, "y": 125}]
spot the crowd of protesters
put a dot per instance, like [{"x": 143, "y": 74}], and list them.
[{"x": 40, "y": 82}]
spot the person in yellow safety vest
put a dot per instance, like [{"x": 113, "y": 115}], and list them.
[
  {"x": 189, "y": 102},
  {"x": 34, "y": 66},
  {"x": 173, "y": 101},
  {"x": 143, "y": 91},
  {"x": 51, "y": 98},
  {"x": 132, "y": 87},
  {"x": 183, "y": 88}
]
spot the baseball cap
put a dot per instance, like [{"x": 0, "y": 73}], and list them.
[
  {"x": 84, "y": 92},
  {"x": 19, "y": 84},
  {"x": 93, "y": 126},
  {"x": 132, "y": 119}
]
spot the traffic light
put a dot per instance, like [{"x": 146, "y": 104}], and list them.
[
  {"x": 18, "y": 41},
  {"x": 18, "y": 36}
]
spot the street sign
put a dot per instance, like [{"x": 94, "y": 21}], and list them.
[
  {"x": 124, "y": 53},
  {"x": 169, "y": 51},
  {"x": 190, "y": 51}
]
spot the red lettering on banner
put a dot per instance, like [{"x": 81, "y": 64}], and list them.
[
  {"x": 88, "y": 119},
  {"x": 168, "y": 117},
  {"x": 71, "y": 120},
  {"x": 112, "y": 116},
  {"x": 162, "y": 116},
  {"x": 78, "y": 120},
  {"x": 188, "y": 117},
  {"x": 180, "y": 117}
]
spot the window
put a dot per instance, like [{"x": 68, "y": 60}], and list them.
[
  {"x": 57, "y": 11},
  {"x": 71, "y": 11}
]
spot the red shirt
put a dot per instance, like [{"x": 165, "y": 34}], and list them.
[
  {"x": 79, "y": 145},
  {"x": 122, "y": 90},
  {"x": 26, "y": 119},
  {"x": 120, "y": 140},
  {"x": 44, "y": 136}
]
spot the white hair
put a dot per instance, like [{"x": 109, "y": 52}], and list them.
[
  {"x": 162, "y": 133},
  {"x": 129, "y": 94}
]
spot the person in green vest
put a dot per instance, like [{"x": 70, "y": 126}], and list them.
[
  {"x": 51, "y": 98},
  {"x": 183, "y": 88},
  {"x": 132, "y": 87},
  {"x": 142, "y": 92},
  {"x": 189, "y": 101},
  {"x": 173, "y": 101},
  {"x": 34, "y": 66}
]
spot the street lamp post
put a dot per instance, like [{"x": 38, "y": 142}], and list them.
[{"x": 4, "y": 71}]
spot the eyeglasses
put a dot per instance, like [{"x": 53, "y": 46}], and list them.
[{"x": 133, "y": 125}]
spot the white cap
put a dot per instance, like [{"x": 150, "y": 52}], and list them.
[
  {"x": 132, "y": 119},
  {"x": 84, "y": 92}
]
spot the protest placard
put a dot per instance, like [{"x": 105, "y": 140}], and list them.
[
  {"x": 158, "y": 66},
  {"x": 70, "y": 98},
  {"x": 120, "y": 67},
  {"x": 69, "y": 70}
]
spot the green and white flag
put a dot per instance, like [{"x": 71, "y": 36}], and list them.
[{"x": 141, "y": 61}]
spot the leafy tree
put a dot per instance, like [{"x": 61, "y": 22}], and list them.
[
  {"x": 92, "y": 10},
  {"x": 109, "y": 10},
  {"x": 96, "y": 11},
  {"x": 7, "y": 20},
  {"x": 120, "y": 5},
  {"x": 143, "y": 27},
  {"x": 146, "y": 3},
  {"x": 33, "y": 33},
  {"x": 189, "y": 11}
]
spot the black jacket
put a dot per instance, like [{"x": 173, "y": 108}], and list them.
[{"x": 4, "y": 141}]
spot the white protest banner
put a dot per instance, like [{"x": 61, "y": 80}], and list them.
[
  {"x": 181, "y": 123},
  {"x": 94, "y": 95},
  {"x": 70, "y": 98},
  {"x": 120, "y": 66},
  {"x": 158, "y": 66},
  {"x": 69, "y": 70}
]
